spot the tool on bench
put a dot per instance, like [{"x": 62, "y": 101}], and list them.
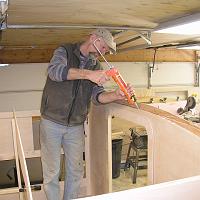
[
  {"x": 114, "y": 73},
  {"x": 191, "y": 103}
]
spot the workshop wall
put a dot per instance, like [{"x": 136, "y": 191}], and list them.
[
  {"x": 21, "y": 84},
  {"x": 164, "y": 74}
]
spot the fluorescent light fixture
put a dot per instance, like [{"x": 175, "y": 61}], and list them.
[
  {"x": 188, "y": 25},
  {"x": 3, "y": 65},
  {"x": 192, "y": 47},
  {"x": 185, "y": 29}
]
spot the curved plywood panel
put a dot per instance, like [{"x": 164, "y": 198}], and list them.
[
  {"x": 172, "y": 149},
  {"x": 168, "y": 116}
]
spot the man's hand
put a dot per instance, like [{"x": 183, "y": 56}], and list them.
[
  {"x": 107, "y": 97},
  {"x": 98, "y": 76},
  {"x": 121, "y": 95}
]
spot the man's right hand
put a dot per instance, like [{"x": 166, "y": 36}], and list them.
[{"x": 98, "y": 76}]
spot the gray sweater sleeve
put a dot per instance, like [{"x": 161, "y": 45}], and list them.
[
  {"x": 97, "y": 90},
  {"x": 58, "y": 68}
]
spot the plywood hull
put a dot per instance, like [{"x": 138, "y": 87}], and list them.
[{"x": 173, "y": 146}]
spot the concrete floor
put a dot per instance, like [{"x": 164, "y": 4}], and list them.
[{"x": 124, "y": 181}]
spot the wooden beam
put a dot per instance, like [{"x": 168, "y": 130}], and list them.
[
  {"x": 14, "y": 56},
  {"x": 147, "y": 55},
  {"x": 11, "y": 56}
]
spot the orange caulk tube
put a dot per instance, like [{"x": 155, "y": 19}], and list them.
[{"x": 114, "y": 73}]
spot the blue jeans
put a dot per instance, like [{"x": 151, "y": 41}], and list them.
[{"x": 53, "y": 136}]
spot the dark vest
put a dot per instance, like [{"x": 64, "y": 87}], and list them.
[{"x": 68, "y": 102}]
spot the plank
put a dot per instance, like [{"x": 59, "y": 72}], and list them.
[
  {"x": 17, "y": 159},
  {"x": 22, "y": 160}
]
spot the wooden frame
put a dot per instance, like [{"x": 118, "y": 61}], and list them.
[
  {"x": 20, "y": 158},
  {"x": 172, "y": 144},
  {"x": 11, "y": 148}
]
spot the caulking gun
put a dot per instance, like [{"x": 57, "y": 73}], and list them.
[{"x": 114, "y": 73}]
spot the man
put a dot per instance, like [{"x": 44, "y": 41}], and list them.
[{"x": 75, "y": 77}]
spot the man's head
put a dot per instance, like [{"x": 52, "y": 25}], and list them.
[
  {"x": 103, "y": 40},
  {"x": 100, "y": 39},
  {"x": 107, "y": 38}
]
